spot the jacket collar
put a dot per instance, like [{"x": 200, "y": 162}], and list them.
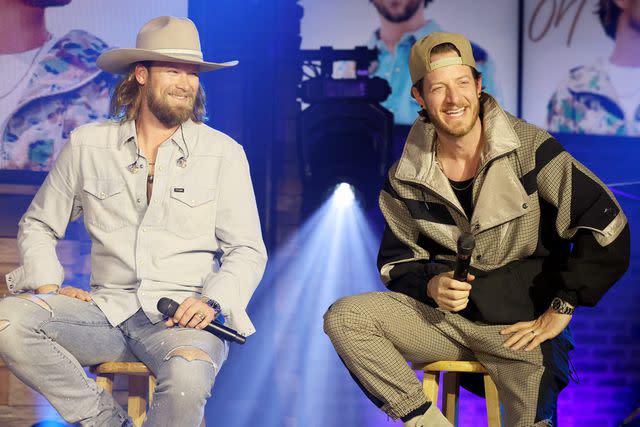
[
  {"x": 506, "y": 196},
  {"x": 417, "y": 163}
]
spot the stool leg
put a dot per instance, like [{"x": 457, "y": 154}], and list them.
[
  {"x": 152, "y": 388},
  {"x": 137, "y": 402},
  {"x": 450, "y": 396},
  {"x": 105, "y": 381},
  {"x": 493, "y": 402},
  {"x": 430, "y": 384}
]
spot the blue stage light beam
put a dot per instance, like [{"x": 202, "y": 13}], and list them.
[{"x": 298, "y": 380}]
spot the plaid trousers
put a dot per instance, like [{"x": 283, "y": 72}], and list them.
[{"x": 375, "y": 334}]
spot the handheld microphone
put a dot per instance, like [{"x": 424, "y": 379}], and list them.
[
  {"x": 466, "y": 244},
  {"x": 168, "y": 307}
]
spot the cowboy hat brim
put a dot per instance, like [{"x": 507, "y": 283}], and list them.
[{"x": 117, "y": 61}]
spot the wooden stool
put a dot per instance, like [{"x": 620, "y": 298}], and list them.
[
  {"x": 141, "y": 384},
  {"x": 451, "y": 388}
]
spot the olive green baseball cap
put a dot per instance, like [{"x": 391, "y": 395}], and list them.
[{"x": 419, "y": 59}]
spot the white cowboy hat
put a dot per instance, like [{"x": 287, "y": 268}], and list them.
[{"x": 164, "y": 38}]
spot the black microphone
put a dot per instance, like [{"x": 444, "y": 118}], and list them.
[
  {"x": 168, "y": 307},
  {"x": 466, "y": 243}
]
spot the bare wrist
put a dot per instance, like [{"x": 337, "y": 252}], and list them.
[
  {"x": 48, "y": 289},
  {"x": 429, "y": 287}
]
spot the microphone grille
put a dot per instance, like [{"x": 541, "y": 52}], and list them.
[
  {"x": 466, "y": 243},
  {"x": 167, "y": 306}
]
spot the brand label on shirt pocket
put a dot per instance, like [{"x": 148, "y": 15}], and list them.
[
  {"x": 191, "y": 212},
  {"x": 193, "y": 196}
]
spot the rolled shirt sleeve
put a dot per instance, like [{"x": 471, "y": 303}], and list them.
[
  {"x": 44, "y": 223},
  {"x": 243, "y": 252}
]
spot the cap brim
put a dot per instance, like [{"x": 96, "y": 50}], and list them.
[{"x": 117, "y": 61}]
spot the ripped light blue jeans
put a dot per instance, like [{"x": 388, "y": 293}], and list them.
[{"x": 46, "y": 339}]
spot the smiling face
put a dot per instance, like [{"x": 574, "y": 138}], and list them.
[
  {"x": 450, "y": 96},
  {"x": 170, "y": 90}
]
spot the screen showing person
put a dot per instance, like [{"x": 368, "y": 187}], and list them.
[
  {"x": 603, "y": 97},
  {"x": 402, "y": 22},
  {"x": 391, "y": 27},
  {"x": 50, "y": 84}
]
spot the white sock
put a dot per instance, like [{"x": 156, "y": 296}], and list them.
[{"x": 432, "y": 418}]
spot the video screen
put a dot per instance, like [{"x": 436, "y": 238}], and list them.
[
  {"x": 50, "y": 83},
  {"x": 392, "y": 26}
]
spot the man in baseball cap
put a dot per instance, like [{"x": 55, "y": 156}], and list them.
[
  {"x": 162, "y": 195},
  {"x": 548, "y": 236}
]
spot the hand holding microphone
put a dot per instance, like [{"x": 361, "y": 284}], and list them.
[
  {"x": 168, "y": 307},
  {"x": 451, "y": 290}
]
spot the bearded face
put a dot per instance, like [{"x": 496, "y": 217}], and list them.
[
  {"x": 170, "y": 93},
  {"x": 397, "y": 10},
  {"x": 451, "y": 98}
]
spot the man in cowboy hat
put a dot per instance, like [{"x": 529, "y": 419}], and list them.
[
  {"x": 164, "y": 198},
  {"x": 549, "y": 236}
]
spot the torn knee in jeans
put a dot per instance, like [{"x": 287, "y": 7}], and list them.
[
  {"x": 189, "y": 354},
  {"x": 34, "y": 299},
  {"x": 4, "y": 324}
]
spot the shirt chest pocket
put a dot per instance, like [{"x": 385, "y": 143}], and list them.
[
  {"x": 104, "y": 203},
  {"x": 191, "y": 211}
]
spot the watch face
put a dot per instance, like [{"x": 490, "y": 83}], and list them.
[{"x": 556, "y": 303}]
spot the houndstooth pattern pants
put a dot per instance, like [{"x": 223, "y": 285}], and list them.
[{"x": 376, "y": 333}]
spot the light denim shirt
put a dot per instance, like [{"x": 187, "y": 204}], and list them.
[
  {"x": 394, "y": 68},
  {"x": 168, "y": 248}
]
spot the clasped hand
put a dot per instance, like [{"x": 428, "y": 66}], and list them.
[{"x": 453, "y": 296}]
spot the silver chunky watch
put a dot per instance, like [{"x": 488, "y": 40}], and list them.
[{"x": 561, "y": 307}]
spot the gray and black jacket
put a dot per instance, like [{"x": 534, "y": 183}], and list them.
[{"x": 544, "y": 225}]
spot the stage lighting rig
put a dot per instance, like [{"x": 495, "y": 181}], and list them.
[
  {"x": 322, "y": 87},
  {"x": 344, "y": 134}
]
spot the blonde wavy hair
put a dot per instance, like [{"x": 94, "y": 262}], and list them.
[{"x": 127, "y": 98}]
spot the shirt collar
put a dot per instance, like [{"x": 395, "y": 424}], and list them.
[
  {"x": 126, "y": 132},
  {"x": 430, "y": 27},
  {"x": 184, "y": 133}
]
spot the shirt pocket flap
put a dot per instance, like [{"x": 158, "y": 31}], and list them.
[
  {"x": 192, "y": 196},
  {"x": 103, "y": 188}
]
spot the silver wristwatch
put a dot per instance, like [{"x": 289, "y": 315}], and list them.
[{"x": 561, "y": 307}]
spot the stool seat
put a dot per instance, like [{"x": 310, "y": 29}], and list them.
[
  {"x": 127, "y": 368},
  {"x": 451, "y": 366},
  {"x": 451, "y": 370}
]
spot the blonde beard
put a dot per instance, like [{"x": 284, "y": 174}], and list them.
[
  {"x": 169, "y": 116},
  {"x": 442, "y": 126}
]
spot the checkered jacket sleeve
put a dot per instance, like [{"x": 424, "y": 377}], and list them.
[
  {"x": 588, "y": 215},
  {"x": 404, "y": 265}
]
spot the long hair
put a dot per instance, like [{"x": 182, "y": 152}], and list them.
[{"x": 127, "y": 98}]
